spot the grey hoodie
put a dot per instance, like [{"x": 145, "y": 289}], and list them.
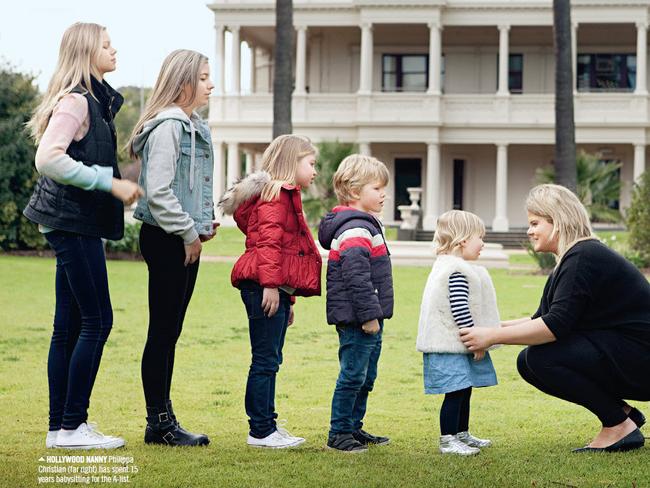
[{"x": 159, "y": 148}]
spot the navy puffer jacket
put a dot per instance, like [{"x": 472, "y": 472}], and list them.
[{"x": 359, "y": 275}]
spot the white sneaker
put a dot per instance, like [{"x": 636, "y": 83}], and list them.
[
  {"x": 86, "y": 437},
  {"x": 50, "y": 438},
  {"x": 470, "y": 440},
  {"x": 276, "y": 440},
  {"x": 449, "y": 444},
  {"x": 284, "y": 432}
]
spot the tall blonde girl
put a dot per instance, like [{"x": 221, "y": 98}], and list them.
[
  {"x": 175, "y": 148},
  {"x": 78, "y": 200},
  {"x": 281, "y": 262}
]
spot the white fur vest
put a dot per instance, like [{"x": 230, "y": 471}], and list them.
[{"x": 437, "y": 331}]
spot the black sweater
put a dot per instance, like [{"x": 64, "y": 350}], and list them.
[{"x": 597, "y": 293}]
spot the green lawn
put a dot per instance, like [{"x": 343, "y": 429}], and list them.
[{"x": 532, "y": 433}]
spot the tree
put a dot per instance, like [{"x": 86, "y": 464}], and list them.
[
  {"x": 565, "y": 143},
  {"x": 321, "y": 197},
  {"x": 638, "y": 219},
  {"x": 282, "y": 72},
  {"x": 18, "y": 98},
  {"x": 598, "y": 184},
  {"x": 127, "y": 117}
]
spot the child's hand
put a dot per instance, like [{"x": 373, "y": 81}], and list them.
[
  {"x": 270, "y": 301},
  {"x": 291, "y": 316},
  {"x": 371, "y": 327},
  {"x": 478, "y": 355},
  {"x": 207, "y": 237},
  {"x": 126, "y": 191},
  {"x": 192, "y": 251}
]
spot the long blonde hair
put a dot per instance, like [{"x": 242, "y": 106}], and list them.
[
  {"x": 79, "y": 50},
  {"x": 280, "y": 161},
  {"x": 562, "y": 208},
  {"x": 180, "y": 68}
]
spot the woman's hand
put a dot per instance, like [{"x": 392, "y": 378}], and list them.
[
  {"x": 478, "y": 355},
  {"x": 126, "y": 191},
  {"x": 270, "y": 301},
  {"x": 193, "y": 251},
  {"x": 477, "y": 338},
  {"x": 291, "y": 316}
]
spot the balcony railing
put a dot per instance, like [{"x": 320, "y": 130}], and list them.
[{"x": 350, "y": 109}]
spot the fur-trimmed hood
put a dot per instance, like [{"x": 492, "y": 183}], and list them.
[{"x": 243, "y": 190}]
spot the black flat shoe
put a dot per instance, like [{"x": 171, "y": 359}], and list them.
[
  {"x": 637, "y": 417},
  {"x": 634, "y": 440}
]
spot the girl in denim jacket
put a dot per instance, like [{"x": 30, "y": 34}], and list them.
[{"x": 174, "y": 145}]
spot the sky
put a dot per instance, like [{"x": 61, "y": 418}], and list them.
[{"x": 142, "y": 31}]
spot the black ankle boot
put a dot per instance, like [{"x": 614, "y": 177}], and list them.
[
  {"x": 204, "y": 438},
  {"x": 161, "y": 429}
]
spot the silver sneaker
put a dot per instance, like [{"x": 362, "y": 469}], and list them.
[
  {"x": 470, "y": 440},
  {"x": 449, "y": 444}
]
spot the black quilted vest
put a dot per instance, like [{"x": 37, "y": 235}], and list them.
[{"x": 93, "y": 213}]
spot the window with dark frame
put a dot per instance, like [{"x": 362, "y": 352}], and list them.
[
  {"x": 606, "y": 72},
  {"x": 459, "y": 178},
  {"x": 515, "y": 73},
  {"x": 405, "y": 72}
]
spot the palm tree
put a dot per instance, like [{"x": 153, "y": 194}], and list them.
[
  {"x": 565, "y": 139},
  {"x": 598, "y": 184},
  {"x": 282, "y": 72}
]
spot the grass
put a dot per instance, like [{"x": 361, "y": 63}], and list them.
[
  {"x": 230, "y": 241},
  {"x": 532, "y": 433}
]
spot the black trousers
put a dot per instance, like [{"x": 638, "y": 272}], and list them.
[
  {"x": 171, "y": 284},
  {"x": 574, "y": 369},
  {"x": 454, "y": 412}
]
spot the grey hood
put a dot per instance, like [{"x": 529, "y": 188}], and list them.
[{"x": 171, "y": 113}]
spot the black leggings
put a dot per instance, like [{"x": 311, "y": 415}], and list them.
[
  {"x": 171, "y": 284},
  {"x": 454, "y": 413},
  {"x": 573, "y": 369}
]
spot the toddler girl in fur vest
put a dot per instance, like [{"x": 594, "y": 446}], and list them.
[{"x": 458, "y": 294}]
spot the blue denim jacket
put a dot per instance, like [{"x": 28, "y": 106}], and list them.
[{"x": 177, "y": 171}]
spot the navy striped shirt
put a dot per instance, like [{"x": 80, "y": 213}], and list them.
[{"x": 459, "y": 300}]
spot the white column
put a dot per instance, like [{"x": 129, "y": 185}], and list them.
[
  {"x": 249, "y": 162},
  {"x": 234, "y": 164},
  {"x": 236, "y": 60},
  {"x": 639, "y": 161},
  {"x": 219, "y": 60},
  {"x": 365, "y": 75},
  {"x": 432, "y": 190},
  {"x": 641, "y": 58},
  {"x": 253, "y": 50},
  {"x": 500, "y": 222},
  {"x": 574, "y": 55},
  {"x": 364, "y": 148},
  {"x": 435, "y": 55},
  {"x": 218, "y": 179},
  {"x": 301, "y": 60},
  {"x": 504, "y": 56}
]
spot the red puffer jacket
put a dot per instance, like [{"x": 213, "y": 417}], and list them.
[{"x": 280, "y": 249}]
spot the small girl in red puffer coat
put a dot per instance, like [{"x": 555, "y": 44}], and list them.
[{"x": 281, "y": 262}]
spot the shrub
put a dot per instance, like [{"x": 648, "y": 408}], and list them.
[
  {"x": 545, "y": 260},
  {"x": 129, "y": 243},
  {"x": 638, "y": 219}
]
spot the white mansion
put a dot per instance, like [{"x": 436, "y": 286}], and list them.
[{"x": 455, "y": 96}]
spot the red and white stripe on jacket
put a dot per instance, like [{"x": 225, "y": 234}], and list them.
[{"x": 358, "y": 237}]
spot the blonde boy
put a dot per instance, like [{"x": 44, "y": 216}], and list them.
[{"x": 359, "y": 293}]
